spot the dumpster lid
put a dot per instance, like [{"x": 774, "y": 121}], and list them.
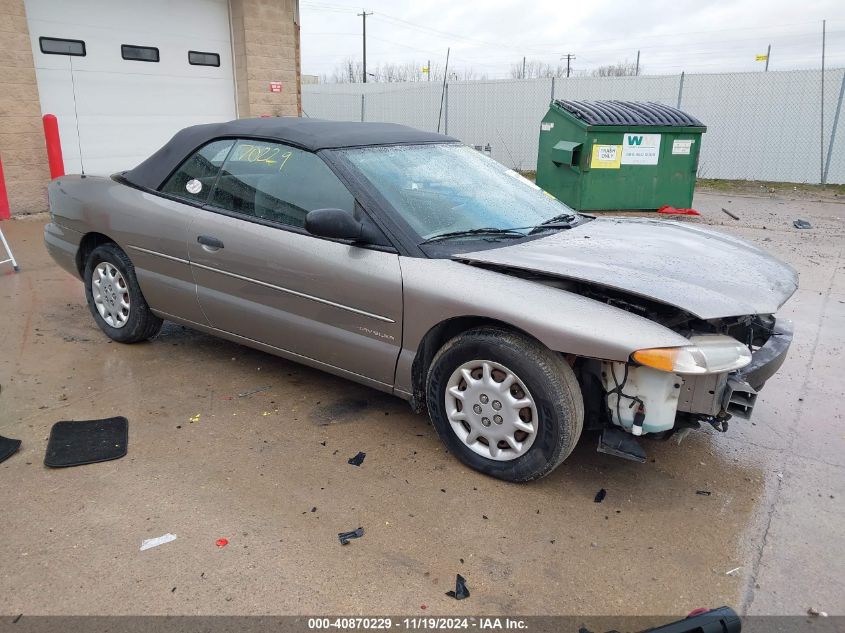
[{"x": 628, "y": 113}]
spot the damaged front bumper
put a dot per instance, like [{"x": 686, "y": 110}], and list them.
[
  {"x": 644, "y": 400},
  {"x": 740, "y": 394},
  {"x": 734, "y": 394},
  {"x": 641, "y": 400}
]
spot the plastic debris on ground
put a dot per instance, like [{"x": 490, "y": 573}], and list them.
[
  {"x": 703, "y": 493},
  {"x": 802, "y": 224},
  {"x": 155, "y": 542},
  {"x": 461, "y": 590},
  {"x": 357, "y": 460},
  {"x": 667, "y": 210},
  {"x": 8, "y": 447},
  {"x": 221, "y": 542},
  {"x": 816, "y": 612},
  {"x": 600, "y": 495},
  {"x": 733, "y": 215},
  {"x": 345, "y": 537},
  {"x": 733, "y": 572},
  {"x": 194, "y": 418}
]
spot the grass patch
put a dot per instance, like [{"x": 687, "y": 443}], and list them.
[{"x": 767, "y": 187}]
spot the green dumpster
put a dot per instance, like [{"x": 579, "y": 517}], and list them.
[{"x": 603, "y": 155}]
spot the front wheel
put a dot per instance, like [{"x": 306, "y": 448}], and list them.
[
  {"x": 504, "y": 404},
  {"x": 114, "y": 296}
]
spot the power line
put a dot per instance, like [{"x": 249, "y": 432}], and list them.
[
  {"x": 730, "y": 50},
  {"x": 551, "y": 47}
]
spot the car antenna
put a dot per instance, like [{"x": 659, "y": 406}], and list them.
[
  {"x": 508, "y": 150},
  {"x": 76, "y": 115}
]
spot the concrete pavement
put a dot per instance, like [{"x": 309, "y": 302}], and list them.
[{"x": 269, "y": 472}]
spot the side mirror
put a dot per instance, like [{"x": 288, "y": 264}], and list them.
[{"x": 334, "y": 223}]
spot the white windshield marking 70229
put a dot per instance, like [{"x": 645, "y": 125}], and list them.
[{"x": 450, "y": 188}]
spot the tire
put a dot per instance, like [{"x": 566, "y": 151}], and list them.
[
  {"x": 131, "y": 324},
  {"x": 540, "y": 377}
]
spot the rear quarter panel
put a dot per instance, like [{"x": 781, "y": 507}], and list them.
[{"x": 151, "y": 230}]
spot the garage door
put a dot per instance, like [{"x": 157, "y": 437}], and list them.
[{"x": 123, "y": 76}]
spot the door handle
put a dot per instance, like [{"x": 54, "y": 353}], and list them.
[{"x": 209, "y": 242}]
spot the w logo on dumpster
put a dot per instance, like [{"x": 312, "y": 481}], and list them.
[
  {"x": 636, "y": 141},
  {"x": 640, "y": 149}
]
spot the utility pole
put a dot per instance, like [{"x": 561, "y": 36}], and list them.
[
  {"x": 443, "y": 92},
  {"x": 768, "y": 54},
  {"x": 523, "y": 66},
  {"x": 637, "y": 71},
  {"x": 821, "y": 131},
  {"x": 569, "y": 56},
  {"x": 364, "y": 15}
]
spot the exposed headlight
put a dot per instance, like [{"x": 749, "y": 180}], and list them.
[{"x": 709, "y": 354}]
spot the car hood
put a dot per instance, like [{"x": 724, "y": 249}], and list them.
[{"x": 705, "y": 273}]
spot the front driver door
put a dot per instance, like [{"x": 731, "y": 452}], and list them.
[{"x": 262, "y": 277}]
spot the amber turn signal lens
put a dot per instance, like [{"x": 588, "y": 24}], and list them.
[{"x": 662, "y": 358}]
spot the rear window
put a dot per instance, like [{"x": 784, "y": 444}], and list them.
[{"x": 195, "y": 177}]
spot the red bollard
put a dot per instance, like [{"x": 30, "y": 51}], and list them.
[
  {"x": 5, "y": 211},
  {"x": 54, "y": 146}
]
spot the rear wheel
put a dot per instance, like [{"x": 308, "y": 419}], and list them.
[
  {"x": 504, "y": 404},
  {"x": 114, "y": 296}
]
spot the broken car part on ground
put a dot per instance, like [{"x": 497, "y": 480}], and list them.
[{"x": 429, "y": 271}]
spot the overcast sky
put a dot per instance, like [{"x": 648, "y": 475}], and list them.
[{"x": 489, "y": 35}]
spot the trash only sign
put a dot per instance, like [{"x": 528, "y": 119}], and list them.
[
  {"x": 605, "y": 157},
  {"x": 640, "y": 149}
]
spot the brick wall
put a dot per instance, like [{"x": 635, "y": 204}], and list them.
[
  {"x": 21, "y": 134},
  {"x": 266, "y": 44}
]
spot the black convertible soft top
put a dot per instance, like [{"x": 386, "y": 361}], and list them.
[{"x": 309, "y": 134}]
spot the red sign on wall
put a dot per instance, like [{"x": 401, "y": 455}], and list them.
[{"x": 275, "y": 86}]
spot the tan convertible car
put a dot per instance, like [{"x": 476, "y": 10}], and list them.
[{"x": 413, "y": 264}]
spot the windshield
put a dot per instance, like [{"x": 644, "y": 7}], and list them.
[{"x": 442, "y": 189}]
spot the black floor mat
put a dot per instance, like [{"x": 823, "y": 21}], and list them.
[
  {"x": 86, "y": 442},
  {"x": 8, "y": 447}
]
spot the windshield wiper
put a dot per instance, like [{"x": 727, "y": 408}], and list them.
[
  {"x": 492, "y": 231},
  {"x": 564, "y": 219}
]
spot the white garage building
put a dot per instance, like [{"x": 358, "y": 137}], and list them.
[{"x": 122, "y": 76}]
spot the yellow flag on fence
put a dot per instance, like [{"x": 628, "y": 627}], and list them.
[
  {"x": 761, "y": 58},
  {"x": 425, "y": 69}
]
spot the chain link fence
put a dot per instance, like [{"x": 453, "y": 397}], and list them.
[{"x": 760, "y": 126}]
